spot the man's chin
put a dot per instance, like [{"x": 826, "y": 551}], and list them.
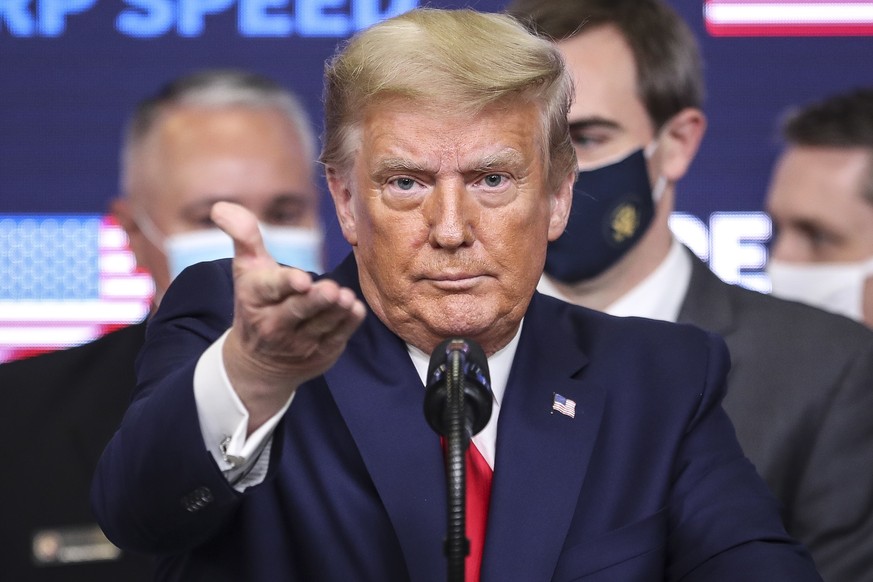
[{"x": 461, "y": 316}]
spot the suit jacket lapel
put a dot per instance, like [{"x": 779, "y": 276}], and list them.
[
  {"x": 705, "y": 304},
  {"x": 381, "y": 397},
  {"x": 542, "y": 455}
]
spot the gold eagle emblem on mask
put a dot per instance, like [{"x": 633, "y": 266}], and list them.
[{"x": 625, "y": 222}]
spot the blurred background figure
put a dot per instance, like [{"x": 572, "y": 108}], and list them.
[
  {"x": 821, "y": 203},
  {"x": 210, "y": 136},
  {"x": 800, "y": 390},
  {"x": 218, "y": 136}
]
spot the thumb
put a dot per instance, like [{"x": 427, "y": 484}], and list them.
[{"x": 241, "y": 225}]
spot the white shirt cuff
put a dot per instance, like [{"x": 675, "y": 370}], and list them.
[{"x": 224, "y": 422}]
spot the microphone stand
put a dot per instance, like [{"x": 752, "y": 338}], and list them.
[
  {"x": 457, "y": 405},
  {"x": 457, "y": 546}
]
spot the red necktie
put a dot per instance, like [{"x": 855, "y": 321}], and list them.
[{"x": 478, "y": 497}]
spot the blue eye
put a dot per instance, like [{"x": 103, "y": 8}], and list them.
[
  {"x": 404, "y": 183},
  {"x": 493, "y": 180}
]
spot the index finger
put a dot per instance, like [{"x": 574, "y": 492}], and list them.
[{"x": 241, "y": 225}]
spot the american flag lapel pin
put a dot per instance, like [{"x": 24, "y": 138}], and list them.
[{"x": 563, "y": 405}]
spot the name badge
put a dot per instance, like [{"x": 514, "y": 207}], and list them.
[{"x": 72, "y": 545}]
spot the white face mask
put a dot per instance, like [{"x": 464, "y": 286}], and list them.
[
  {"x": 835, "y": 287},
  {"x": 661, "y": 182},
  {"x": 288, "y": 245}
]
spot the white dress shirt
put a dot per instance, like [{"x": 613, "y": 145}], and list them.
[
  {"x": 499, "y": 365},
  {"x": 658, "y": 296},
  {"x": 244, "y": 458}
]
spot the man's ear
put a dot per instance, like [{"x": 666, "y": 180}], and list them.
[
  {"x": 680, "y": 140},
  {"x": 122, "y": 210},
  {"x": 123, "y": 214},
  {"x": 559, "y": 206},
  {"x": 338, "y": 184}
]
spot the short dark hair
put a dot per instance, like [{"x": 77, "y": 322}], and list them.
[
  {"x": 666, "y": 54},
  {"x": 840, "y": 121}
]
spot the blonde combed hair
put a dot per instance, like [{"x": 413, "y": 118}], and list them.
[{"x": 460, "y": 60}]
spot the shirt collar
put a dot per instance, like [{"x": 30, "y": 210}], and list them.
[
  {"x": 499, "y": 365},
  {"x": 658, "y": 296}
]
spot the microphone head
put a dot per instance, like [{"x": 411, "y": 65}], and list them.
[
  {"x": 476, "y": 380},
  {"x": 474, "y": 353}
]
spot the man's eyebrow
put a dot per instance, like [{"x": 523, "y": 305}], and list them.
[
  {"x": 508, "y": 157},
  {"x": 403, "y": 165},
  {"x": 205, "y": 204},
  {"x": 593, "y": 123}
]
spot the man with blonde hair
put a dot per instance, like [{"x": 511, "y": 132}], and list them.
[{"x": 278, "y": 433}]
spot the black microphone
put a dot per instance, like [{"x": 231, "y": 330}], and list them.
[
  {"x": 458, "y": 359},
  {"x": 457, "y": 405}
]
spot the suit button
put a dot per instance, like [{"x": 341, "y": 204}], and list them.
[{"x": 197, "y": 499}]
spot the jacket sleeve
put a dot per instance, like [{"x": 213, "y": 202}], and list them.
[
  {"x": 724, "y": 523},
  {"x": 833, "y": 506},
  {"x": 156, "y": 488}
]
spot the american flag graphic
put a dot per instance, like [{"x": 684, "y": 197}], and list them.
[
  {"x": 788, "y": 18},
  {"x": 65, "y": 279},
  {"x": 564, "y": 405}
]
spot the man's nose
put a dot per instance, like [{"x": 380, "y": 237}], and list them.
[{"x": 451, "y": 214}]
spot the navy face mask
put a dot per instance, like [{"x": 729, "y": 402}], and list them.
[{"x": 612, "y": 208}]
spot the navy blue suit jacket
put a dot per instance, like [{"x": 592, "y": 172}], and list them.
[{"x": 647, "y": 482}]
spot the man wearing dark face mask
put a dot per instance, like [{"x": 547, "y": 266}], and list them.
[
  {"x": 614, "y": 207},
  {"x": 800, "y": 392}
]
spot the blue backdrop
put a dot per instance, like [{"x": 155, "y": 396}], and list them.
[{"x": 71, "y": 70}]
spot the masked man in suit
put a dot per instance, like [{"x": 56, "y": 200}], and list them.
[
  {"x": 212, "y": 135},
  {"x": 821, "y": 201},
  {"x": 277, "y": 432},
  {"x": 800, "y": 391}
]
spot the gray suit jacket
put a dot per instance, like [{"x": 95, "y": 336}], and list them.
[{"x": 800, "y": 394}]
